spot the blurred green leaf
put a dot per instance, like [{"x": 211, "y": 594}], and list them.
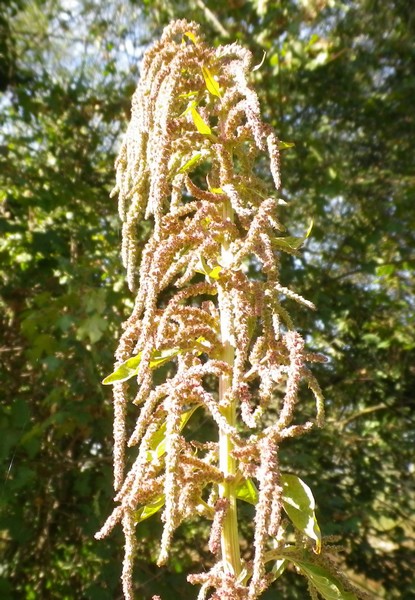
[
  {"x": 284, "y": 145},
  {"x": 294, "y": 243},
  {"x": 385, "y": 270}
]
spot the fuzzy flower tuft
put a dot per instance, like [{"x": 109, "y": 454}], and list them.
[{"x": 208, "y": 331}]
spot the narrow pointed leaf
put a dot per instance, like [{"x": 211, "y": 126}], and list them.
[
  {"x": 201, "y": 345},
  {"x": 202, "y": 266},
  {"x": 257, "y": 67},
  {"x": 190, "y": 163},
  {"x": 211, "y": 83},
  {"x": 201, "y": 126},
  {"x": 284, "y": 145},
  {"x": 158, "y": 441},
  {"x": 188, "y": 109},
  {"x": 163, "y": 356},
  {"x": 188, "y": 95}
]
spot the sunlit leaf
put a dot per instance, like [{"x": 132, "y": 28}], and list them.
[
  {"x": 215, "y": 272},
  {"x": 298, "y": 502},
  {"x": 211, "y": 83},
  {"x": 190, "y": 163},
  {"x": 188, "y": 109},
  {"x": 201, "y": 126},
  {"x": 149, "y": 509},
  {"x": 158, "y": 440},
  {"x": 129, "y": 368},
  {"x": 257, "y": 67},
  {"x": 159, "y": 358},
  {"x": 203, "y": 268},
  {"x": 125, "y": 371},
  {"x": 201, "y": 344},
  {"x": 284, "y": 145},
  {"x": 188, "y": 95},
  {"x": 206, "y": 222},
  {"x": 191, "y": 37},
  {"x": 247, "y": 492}
]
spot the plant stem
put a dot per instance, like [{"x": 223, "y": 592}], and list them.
[{"x": 230, "y": 538}]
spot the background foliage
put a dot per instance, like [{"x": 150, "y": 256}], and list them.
[{"x": 338, "y": 79}]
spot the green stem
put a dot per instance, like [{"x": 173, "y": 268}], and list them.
[{"x": 230, "y": 538}]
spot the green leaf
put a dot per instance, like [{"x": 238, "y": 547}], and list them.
[
  {"x": 203, "y": 268},
  {"x": 163, "y": 356},
  {"x": 191, "y": 36},
  {"x": 201, "y": 126},
  {"x": 211, "y": 84},
  {"x": 327, "y": 585},
  {"x": 294, "y": 243},
  {"x": 299, "y": 504},
  {"x": 279, "y": 568},
  {"x": 188, "y": 95},
  {"x": 288, "y": 242},
  {"x": 125, "y": 371},
  {"x": 201, "y": 345},
  {"x": 157, "y": 449},
  {"x": 190, "y": 163},
  {"x": 284, "y": 145},
  {"x": 188, "y": 109},
  {"x": 130, "y": 367},
  {"x": 158, "y": 440},
  {"x": 149, "y": 509},
  {"x": 214, "y": 273},
  {"x": 93, "y": 328},
  {"x": 247, "y": 492},
  {"x": 385, "y": 270}
]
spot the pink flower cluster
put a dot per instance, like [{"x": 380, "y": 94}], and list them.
[{"x": 208, "y": 276}]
